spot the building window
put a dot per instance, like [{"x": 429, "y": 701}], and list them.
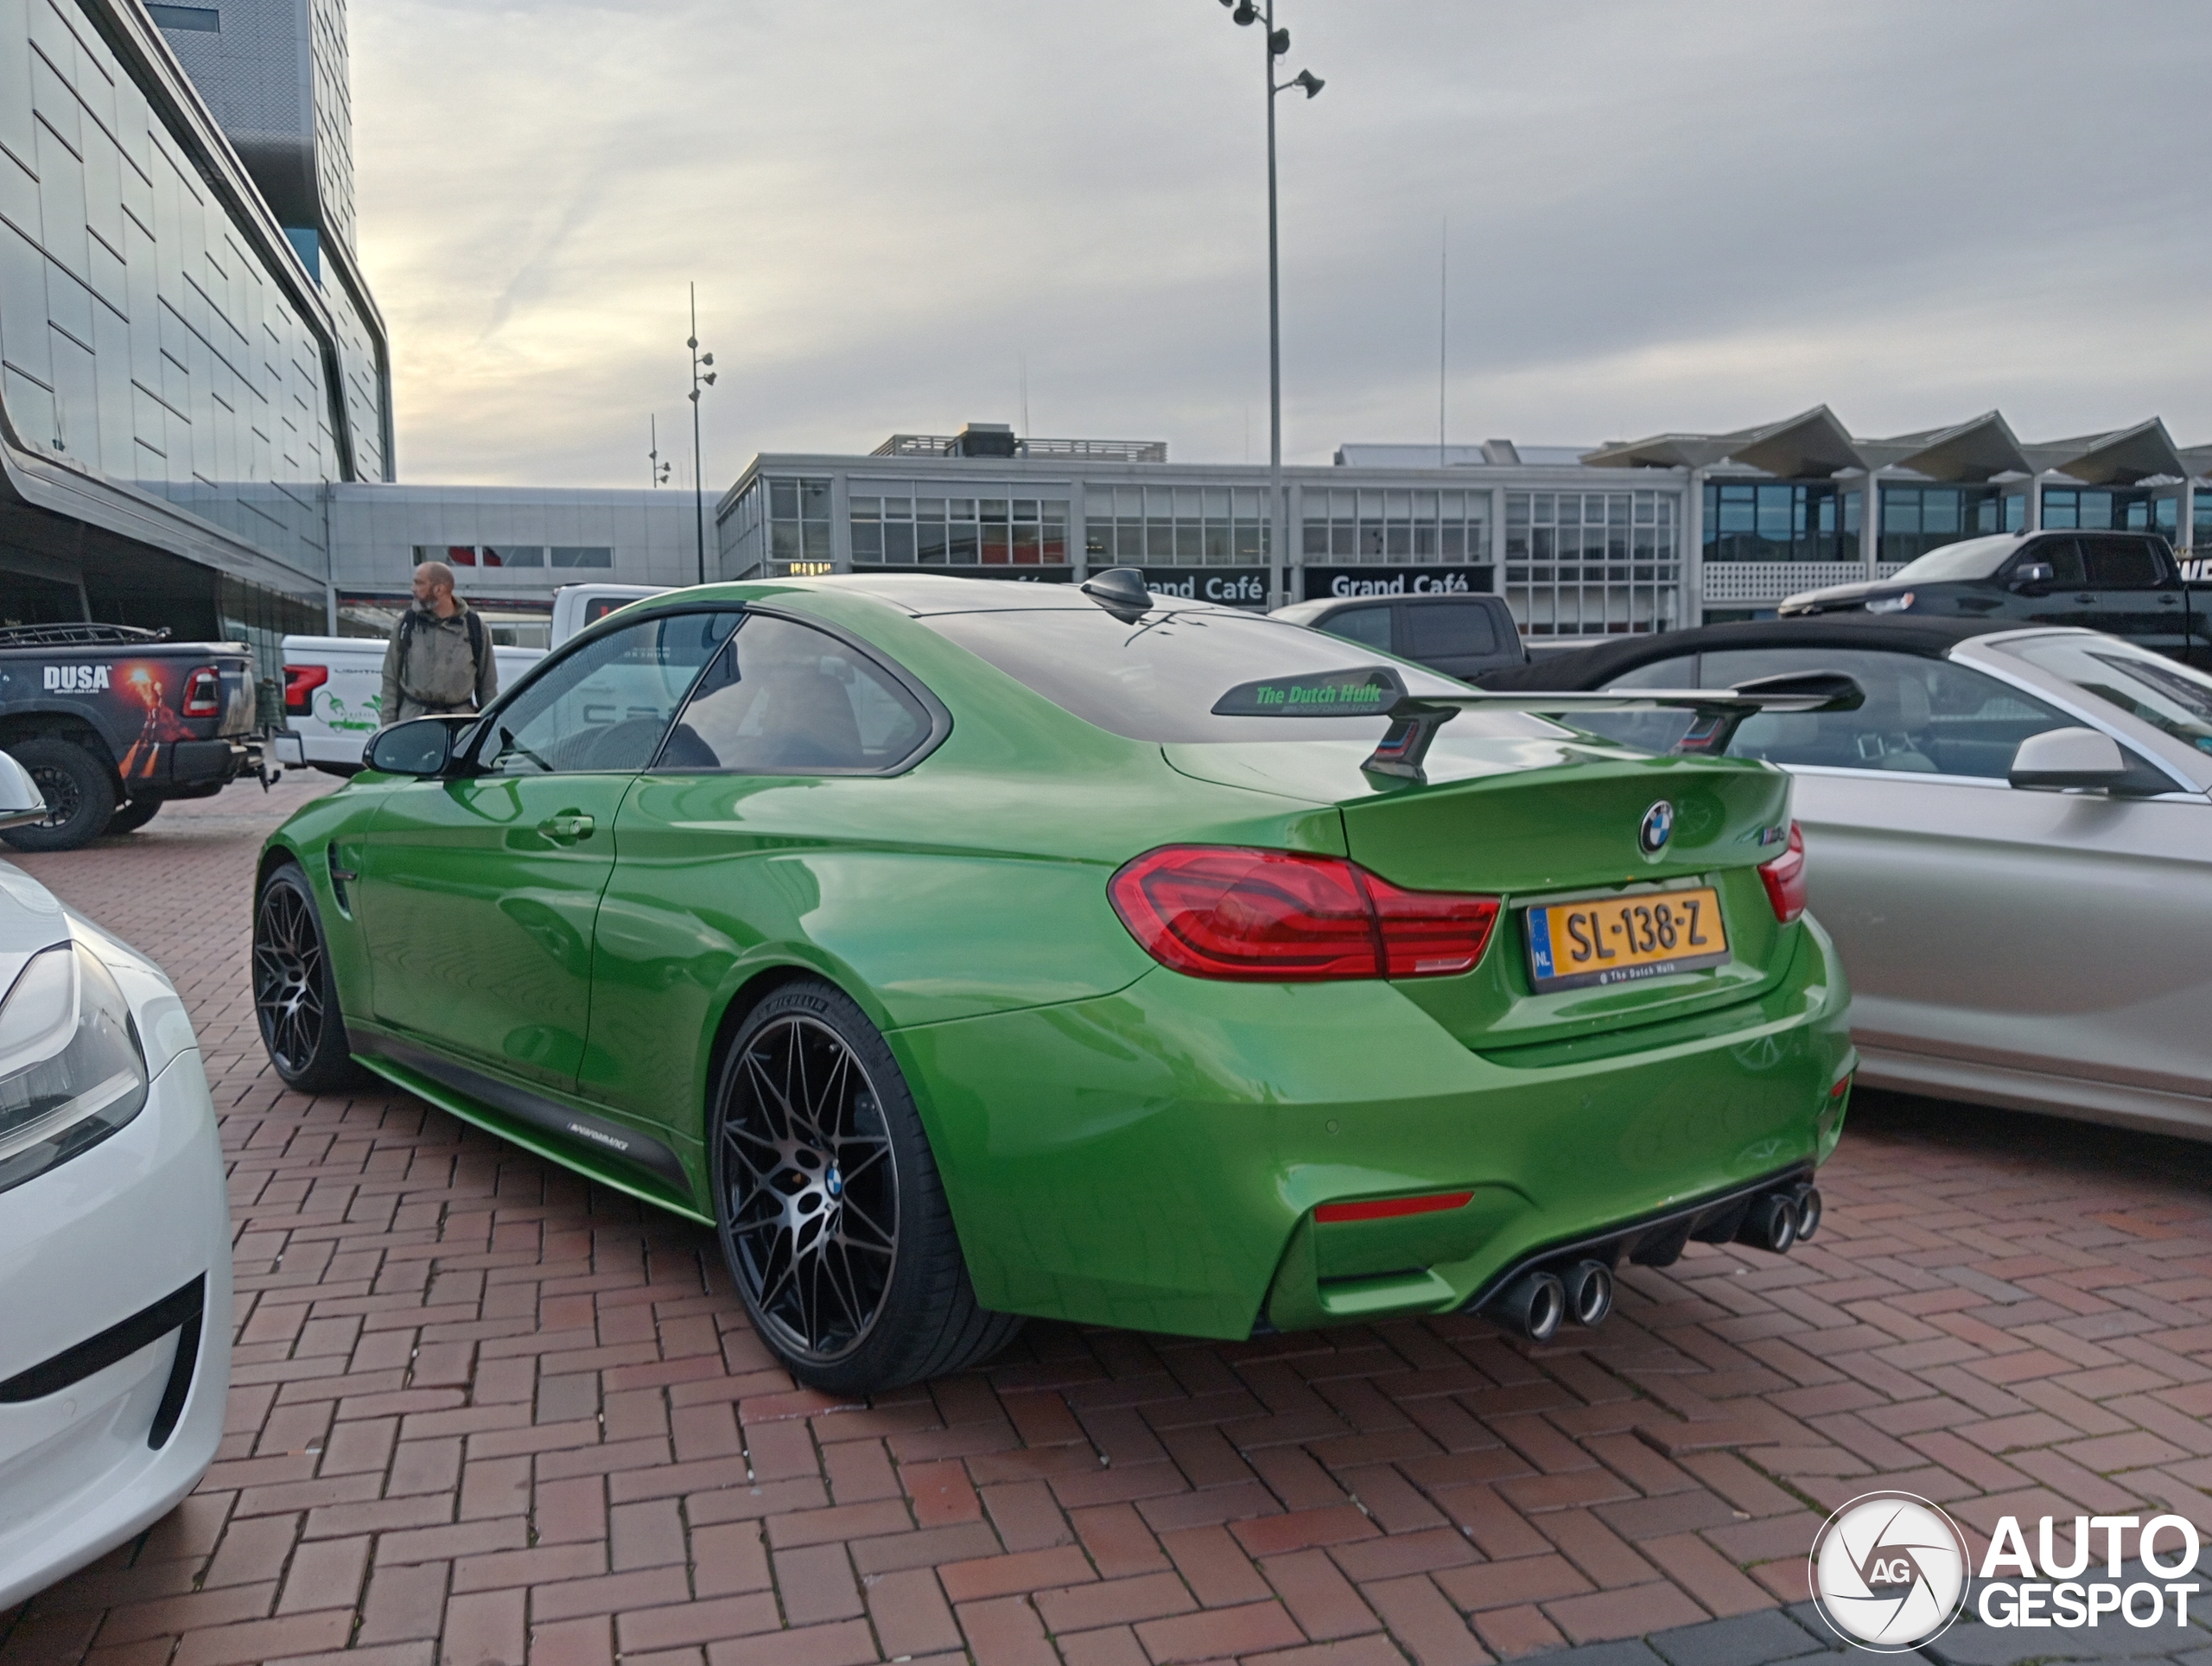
[
  {"x": 2113, "y": 508},
  {"x": 742, "y": 541},
  {"x": 581, "y": 555},
  {"x": 1918, "y": 519},
  {"x": 895, "y": 530},
  {"x": 201, "y": 19},
  {"x": 1593, "y": 563},
  {"x": 1797, "y": 520},
  {"x": 1382, "y": 527},
  {"x": 502, "y": 555},
  {"x": 798, "y": 520},
  {"x": 1175, "y": 526}
]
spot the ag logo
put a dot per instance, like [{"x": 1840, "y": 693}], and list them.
[
  {"x": 1658, "y": 828},
  {"x": 1889, "y": 1572}
]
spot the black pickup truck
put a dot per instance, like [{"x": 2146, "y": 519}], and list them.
[
  {"x": 2127, "y": 583},
  {"x": 113, "y": 721}
]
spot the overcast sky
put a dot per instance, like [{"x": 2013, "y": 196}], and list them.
[{"x": 1661, "y": 217}]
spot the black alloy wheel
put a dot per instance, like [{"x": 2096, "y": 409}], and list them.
[
  {"x": 294, "y": 997},
  {"x": 79, "y": 794},
  {"x": 831, "y": 1216}
]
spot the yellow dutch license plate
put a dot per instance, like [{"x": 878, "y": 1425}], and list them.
[{"x": 1573, "y": 945}]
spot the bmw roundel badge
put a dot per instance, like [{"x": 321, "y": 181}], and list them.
[{"x": 1658, "y": 828}]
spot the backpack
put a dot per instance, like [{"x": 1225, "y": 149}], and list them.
[{"x": 475, "y": 627}]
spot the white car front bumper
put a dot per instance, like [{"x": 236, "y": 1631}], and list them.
[{"x": 112, "y": 1249}]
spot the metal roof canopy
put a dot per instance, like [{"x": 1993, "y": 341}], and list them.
[{"x": 1814, "y": 445}]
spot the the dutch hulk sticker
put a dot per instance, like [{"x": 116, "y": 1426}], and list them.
[{"x": 1366, "y": 692}]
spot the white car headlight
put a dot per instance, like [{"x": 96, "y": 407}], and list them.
[{"x": 71, "y": 1069}]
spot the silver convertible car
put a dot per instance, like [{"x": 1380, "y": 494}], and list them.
[{"x": 2011, "y": 843}]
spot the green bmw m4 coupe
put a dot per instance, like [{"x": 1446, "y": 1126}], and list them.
[{"x": 961, "y": 951}]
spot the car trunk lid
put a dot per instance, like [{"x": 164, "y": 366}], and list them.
[{"x": 1536, "y": 815}]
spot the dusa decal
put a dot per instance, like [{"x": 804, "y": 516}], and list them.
[{"x": 75, "y": 679}]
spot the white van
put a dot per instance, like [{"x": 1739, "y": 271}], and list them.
[
  {"x": 575, "y": 605},
  {"x": 333, "y": 690}
]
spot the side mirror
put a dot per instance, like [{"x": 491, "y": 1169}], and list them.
[
  {"x": 20, "y": 802},
  {"x": 421, "y": 745},
  {"x": 2062, "y": 758},
  {"x": 2035, "y": 576}
]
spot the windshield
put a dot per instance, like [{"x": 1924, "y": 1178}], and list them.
[
  {"x": 1975, "y": 558},
  {"x": 1158, "y": 679},
  {"x": 2169, "y": 697}
]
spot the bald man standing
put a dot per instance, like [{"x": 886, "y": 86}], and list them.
[{"x": 440, "y": 659}]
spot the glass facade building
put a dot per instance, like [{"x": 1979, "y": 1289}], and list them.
[
  {"x": 182, "y": 384},
  {"x": 1918, "y": 519},
  {"x": 1795, "y": 520},
  {"x": 1636, "y": 536}
]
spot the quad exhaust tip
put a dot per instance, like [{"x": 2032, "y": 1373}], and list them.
[
  {"x": 1809, "y": 1213},
  {"x": 1779, "y": 1221},
  {"x": 1589, "y": 1287},
  {"x": 1540, "y": 1301},
  {"x": 1533, "y": 1304}
]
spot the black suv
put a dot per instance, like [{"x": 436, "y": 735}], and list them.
[
  {"x": 2126, "y": 583},
  {"x": 1462, "y": 636}
]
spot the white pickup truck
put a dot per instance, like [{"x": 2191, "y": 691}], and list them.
[{"x": 334, "y": 685}]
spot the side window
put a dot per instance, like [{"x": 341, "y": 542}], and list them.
[
  {"x": 2121, "y": 564},
  {"x": 1922, "y": 716},
  {"x": 786, "y": 699},
  {"x": 2062, "y": 555},
  {"x": 1371, "y": 625},
  {"x": 605, "y": 707},
  {"x": 1439, "y": 628}
]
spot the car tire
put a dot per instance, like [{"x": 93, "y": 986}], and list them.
[
  {"x": 79, "y": 792},
  {"x": 294, "y": 996},
  {"x": 832, "y": 1218},
  {"x": 133, "y": 815}
]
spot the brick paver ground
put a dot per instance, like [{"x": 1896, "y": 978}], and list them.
[{"x": 484, "y": 1412}]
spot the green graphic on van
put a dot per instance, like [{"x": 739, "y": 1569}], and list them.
[
  {"x": 336, "y": 713},
  {"x": 1362, "y": 693}
]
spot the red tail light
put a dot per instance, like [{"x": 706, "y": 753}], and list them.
[
  {"x": 300, "y": 683},
  {"x": 203, "y": 693},
  {"x": 1271, "y": 915},
  {"x": 1785, "y": 878}
]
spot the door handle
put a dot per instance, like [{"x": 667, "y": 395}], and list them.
[
  {"x": 569, "y": 824},
  {"x": 2086, "y": 595},
  {"x": 2169, "y": 601}
]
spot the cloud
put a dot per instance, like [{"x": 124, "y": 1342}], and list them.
[{"x": 1660, "y": 216}]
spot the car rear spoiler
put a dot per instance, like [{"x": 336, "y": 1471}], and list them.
[{"x": 1716, "y": 714}]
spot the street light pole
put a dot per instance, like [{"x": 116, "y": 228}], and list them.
[
  {"x": 1278, "y": 500},
  {"x": 1273, "y": 44},
  {"x": 698, "y": 474}
]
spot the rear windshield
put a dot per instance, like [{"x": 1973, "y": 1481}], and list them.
[{"x": 1158, "y": 679}]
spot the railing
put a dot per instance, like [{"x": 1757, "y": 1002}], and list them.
[
  {"x": 948, "y": 445},
  {"x": 1724, "y": 581}
]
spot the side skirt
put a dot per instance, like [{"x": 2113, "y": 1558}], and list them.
[{"x": 618, "y": 1157}]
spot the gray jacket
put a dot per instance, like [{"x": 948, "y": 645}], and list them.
[{"x": 432, "y": 666}]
